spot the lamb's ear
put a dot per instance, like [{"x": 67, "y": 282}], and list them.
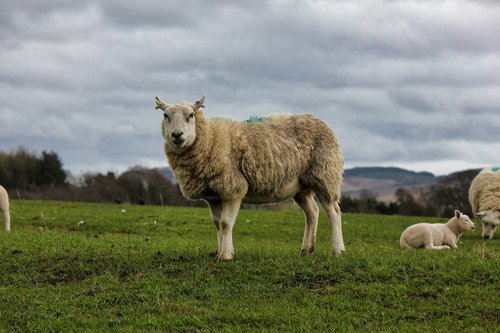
[
  {"x": 199, "y": 103},
  {"x": 458, "y": 214},
  {"x": 160, "y": 104}
]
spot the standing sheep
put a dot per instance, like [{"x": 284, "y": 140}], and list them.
[
  {"x": 226, "y": 162},
  {"x": 484, "y": 197},
  {"x": 436, "y": 236},
  {"x": 4, "y": 207}
]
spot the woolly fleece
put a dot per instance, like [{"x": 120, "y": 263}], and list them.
[
  {"x": 484, "y": 191},
  {"x": 4, "y": 207},
  {"x": 259, "y": 162}
]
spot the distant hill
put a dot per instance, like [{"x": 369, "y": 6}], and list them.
[
  {"x": 168, "y": 174},
  {"x": 384, "y": 181},
  {"x": 402, "y": 176},
  {"x": 380, "y": 181}
]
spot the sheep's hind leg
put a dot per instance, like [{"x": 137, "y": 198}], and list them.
[
  {"x": 229, "y": 212},
  {"x": 438, "y": 247},
  {"x": 427, "y": 241},
  {"x": 306, "y": 202},
  {"x": 334, "y": 215},
  {"x": 215, "y": 212},
  {"x": 7, "y": 220}
]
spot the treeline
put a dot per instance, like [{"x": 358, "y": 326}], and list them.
[
  {"x": 23, "y": 169},
  {"x": 28, "y": 175},
  {"x": 450, "y": 193}
]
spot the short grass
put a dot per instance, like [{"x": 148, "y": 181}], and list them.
[{"x": 140, "y": 268}]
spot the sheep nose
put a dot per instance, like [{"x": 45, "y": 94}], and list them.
[
  {"x": 177, "y": 135},
  {"x": 486, "y": 237}
]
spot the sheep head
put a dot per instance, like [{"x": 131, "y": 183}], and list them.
[
  {"x": 464, "y": 221},
  {"x": 491, "y": 220},
  {"x": 179, "y": 123}
]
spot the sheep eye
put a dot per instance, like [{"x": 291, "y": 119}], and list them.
[{"x": 191, "y": 116}]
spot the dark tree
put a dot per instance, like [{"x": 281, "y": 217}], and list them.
[
  {"x": 407, "y": 205},
  {"x": 49, "y": 170},
  {"x": 452, "y": 192}
]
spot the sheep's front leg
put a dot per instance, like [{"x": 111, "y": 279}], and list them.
[
  {"x": 215, "y": 212},
  {"x": 229, "y": 212},
  {"x": 452, "y": 245}
]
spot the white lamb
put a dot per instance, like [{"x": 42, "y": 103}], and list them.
[
  {"x": 484, "y": 197},
  {"x": 4, "y": 207},
  {"x": 227, "y": 162},
  {"x": 436, "y": 236}
]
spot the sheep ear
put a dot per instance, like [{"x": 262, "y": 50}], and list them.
[
  {"x": 482, "y": 214},
  {"x": 199, "y": 103},
  {"x": 458, "y": 214},
  {"x": 160, "y": 104}
]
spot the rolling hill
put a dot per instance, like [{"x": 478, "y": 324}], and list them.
[
  {"x": 380, "y": 181},
  {"x": 384, "y": 181}
]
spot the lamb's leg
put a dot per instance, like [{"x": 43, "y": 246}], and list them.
[
  {"x": 334, "y": 215},
  {"x": 427, "y": 240},
  {"x": 228, "y": 218},
  {"x": 311, "y": 212},
  {"x": 215, "y": 212},
  {"x": 438, "y": 247}
]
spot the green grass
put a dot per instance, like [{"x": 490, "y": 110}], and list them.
[{"x": 153, "y": 269}]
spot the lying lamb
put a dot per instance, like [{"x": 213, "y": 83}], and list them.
[
  {"x": 227, "y": 162},
  {"x": 436, "y": 236},
  {"x": 484, "y": 197},
  {"x": 4, "y": 207}
]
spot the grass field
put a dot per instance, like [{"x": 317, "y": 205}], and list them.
[{"x": 140, "y": 268}]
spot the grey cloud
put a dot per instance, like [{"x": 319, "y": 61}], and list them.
[
  {"x": 400, "y": 82},
  {"x": 412, "y": 101}
]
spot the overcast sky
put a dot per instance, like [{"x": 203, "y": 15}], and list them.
[{"x": 414, "y": 84}]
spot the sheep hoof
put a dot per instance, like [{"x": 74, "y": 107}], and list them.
[
  {"x": 305, "y": 252},
  {"x": 338, "y": 253},
  {"x": 225, "y": 257}
]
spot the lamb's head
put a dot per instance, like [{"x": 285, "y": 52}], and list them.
[
  {"x": 179, "y": 124},
  {"x": 464, "y": 222},
  {"x": 491, "y": 221}
]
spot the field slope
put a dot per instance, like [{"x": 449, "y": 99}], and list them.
[{"x": 95, "y": 267}]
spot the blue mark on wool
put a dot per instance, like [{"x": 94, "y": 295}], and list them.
[
  {"x": 495, "y": 169},
  {"x": 255, "y": 119}
]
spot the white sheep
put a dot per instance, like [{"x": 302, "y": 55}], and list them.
[
  {"x": 436, "y": 236},
  {"x": 226, "y": 162},
  {"x": 484, "y": 197},
  {"x": 4, "y": 207}
]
